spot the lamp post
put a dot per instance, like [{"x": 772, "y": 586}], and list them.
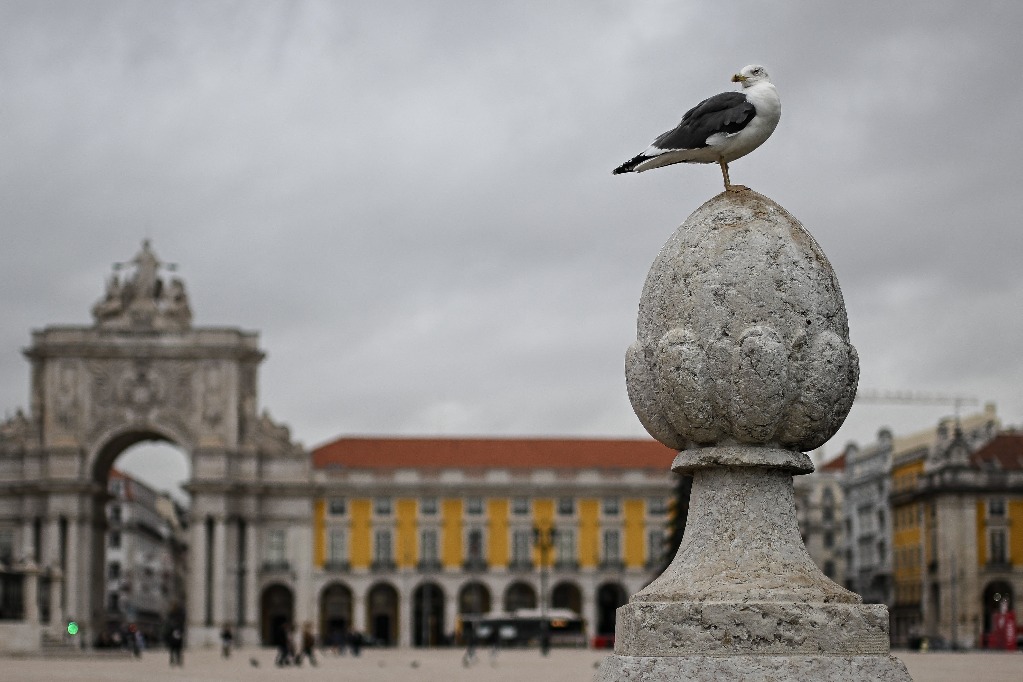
[{"x": 544, "y": 538}]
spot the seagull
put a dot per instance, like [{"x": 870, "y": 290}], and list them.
[{"x": 719, "y": 129}]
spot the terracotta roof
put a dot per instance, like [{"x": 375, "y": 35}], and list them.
[
  {"x": 1004, "y": 451},
  {"x": 836, "y": 464},
  {"x": 492, "y": 453}
]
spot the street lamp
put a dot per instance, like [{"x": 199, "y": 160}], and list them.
[{"x": 544, "y": 538}]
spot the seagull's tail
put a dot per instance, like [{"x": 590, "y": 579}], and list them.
[{"x": 630, "y": 165}]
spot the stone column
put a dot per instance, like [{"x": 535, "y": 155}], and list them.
[
  {"x": 56, "y": 590},
  {"x": 31, "y": 596},
  {"x": 742, "y": 363},
  {"x": 219, "y": 565},
  {"x": 72, "y": 588},
  {"x": 359, "y": 609},
  {"x": 197, "y": 597},
  {"x": 252, "y": 615}
]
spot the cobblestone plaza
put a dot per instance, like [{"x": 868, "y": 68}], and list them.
[{"x": 205, "y": 665}]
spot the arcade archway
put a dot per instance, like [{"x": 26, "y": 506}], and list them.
[
  {"x": 567, "y": 595},
  {"x": 277, "y": 613},
  {"x": 382, "y": 614},
  {"x": 609, "y": 597},
  {"x": 428, "y": 615},
  {"x": 519, "y": 595},
  {"x": 335, "y": 614}
]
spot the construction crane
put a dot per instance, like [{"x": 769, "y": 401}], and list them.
[{"x": 915, "y": 398}]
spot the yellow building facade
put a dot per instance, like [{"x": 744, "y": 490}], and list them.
[{"x": 412, "y": 536}]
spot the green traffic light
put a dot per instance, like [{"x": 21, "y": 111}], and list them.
[{"x": 72, "y": 628}]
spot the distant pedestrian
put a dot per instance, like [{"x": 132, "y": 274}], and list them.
[
  {"x": 284, "y": 645},
  {"x": 175, "y": 644},
  {"x": 226, "y": 641},
  {"x": 355, "y": 642},
  {"x": 307, "y": 644}
]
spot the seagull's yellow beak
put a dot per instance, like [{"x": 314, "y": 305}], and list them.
[{"x": 738, "y": 78}]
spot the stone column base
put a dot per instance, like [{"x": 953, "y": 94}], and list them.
[{"x": 883, "y": 668}]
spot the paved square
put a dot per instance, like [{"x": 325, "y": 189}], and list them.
[{"x": 435, "y": 665}]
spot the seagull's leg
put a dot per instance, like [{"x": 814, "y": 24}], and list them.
[{"x": 724, "y": 174}]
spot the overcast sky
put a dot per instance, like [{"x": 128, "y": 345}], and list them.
[{"x": 412, "y": 202}]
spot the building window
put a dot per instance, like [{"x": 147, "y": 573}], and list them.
[
  {"x": 275, "y": 552},
  {"x": 655, "y": 546},
  {"x": 338, "y": 506},
  {"x": 564, "y": 546},
  {"x": 7, "y": 546},
  {"x": 114, "y": 570},
  {"x": 829, "y": 539},
  {"x": 428, "y": 506},
  {"x": 115, "y": 539},
  {"x": 337, "y": 546},
  {"x": 522, "y": 544},
  {"x": 114, "y": 602},
  {"x": 657, "y": 506},
  {"x": 382, "y": 506},
  {"x": 996, "y": 506},
  {"x": 566, "y": 506},
  {"x": 998, "y": 546},
  {"x": 612, "y": 548},
  {"x": 475, "y": 548},
  {"x": 383, "y": 549},
  {"x": 115, "y": 513},
  {"x": 829, "y": 568},
  {"x": 428, "y": 546},
  {"x": 520, "y": 506},
  {"x": 474, "y": 506},
  {"x": 611, "y": 506}
]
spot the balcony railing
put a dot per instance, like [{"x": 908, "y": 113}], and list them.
[
  {"x": 566, "y": 565},
  {"x": 382, "y": 565},
  {"x": 276, "y": 566},
  {"x": 612, "y": 565},
  {"x": 430, "y": 565},
  {"x": 337, "y": 566},
  {"x": 475, "y": 565},
  {"x": 520, "y": 565}
]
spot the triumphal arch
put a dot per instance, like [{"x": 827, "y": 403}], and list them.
[{"x": 142, "y": 372}]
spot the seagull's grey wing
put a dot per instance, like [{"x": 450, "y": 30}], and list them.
[{"x": 728, "y": 112}]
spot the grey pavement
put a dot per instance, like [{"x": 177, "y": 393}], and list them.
[{"x": 440, "y": 665}]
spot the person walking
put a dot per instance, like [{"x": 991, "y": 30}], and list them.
[
  {"x": 308, "y": 643},
  {"x": 226, "y": 641},
  {"x": 175, "y": 643}
]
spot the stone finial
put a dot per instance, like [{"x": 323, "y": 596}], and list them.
[
  {"x": 743, "y": 362},
  {"x": 742, "y": 335}
]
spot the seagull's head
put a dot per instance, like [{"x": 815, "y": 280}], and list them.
[{"x": 751, "y": 75}]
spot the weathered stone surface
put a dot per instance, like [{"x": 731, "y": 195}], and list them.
[
  {"x": 753, "y": 669},
  {"x": 739, "y": 628},
  {"x": 742, "y": 334},
  {"x": 742, "y": 543},
  {"x": 742, "y": 361}
]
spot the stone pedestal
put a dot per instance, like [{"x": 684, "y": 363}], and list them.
[{"x": 742, "y": 362}]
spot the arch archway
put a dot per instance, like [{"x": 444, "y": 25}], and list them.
[
  {"x": 428, "y": 615},
  {"x": 567, "y": 595},
  {"x": 139, "y": 540},
  {"x": 142, "y": 372},
  {"x": 473, "y": 599},
  {"x": 335, "y": 614},
  {"x": 277, "y": 612},
  {"x": 519, "y": 595},
  {"x": 382, "y": 613},
  {"x": 995, "y": 594},
  {"x": 609, "y": 597}
]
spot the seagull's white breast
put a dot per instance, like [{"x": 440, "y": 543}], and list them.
[{"x": 763, "y": 96}]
